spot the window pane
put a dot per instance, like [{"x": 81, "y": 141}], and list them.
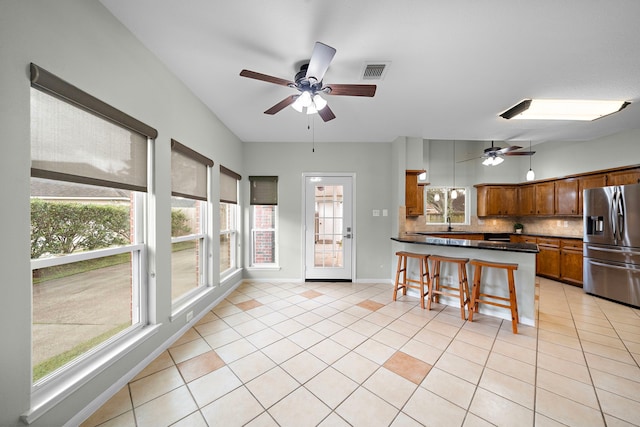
[
  {"x": 69, "y": 218},
  {"x": 228, "y": 234},
  {"x": 187, "y": 259},
  {"x": 440, "y": 206},
  {"x": 264, "y": 244},
  {"x": 225, "y": 252},
  {"x": 457, "y": 207},
  {"x": 263, "y": 234},
  {"x": 185, "y": 216},
  {"x": 185, "y": 267},
  {"x": 435, "y": 205}
]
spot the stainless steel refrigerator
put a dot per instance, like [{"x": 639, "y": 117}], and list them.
[{"x": 612, "y": 243}]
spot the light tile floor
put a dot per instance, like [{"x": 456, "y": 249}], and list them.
[{"x": 345, "y": 354}]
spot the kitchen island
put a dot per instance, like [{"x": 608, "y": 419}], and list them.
[{"x": 494, "y": 281}]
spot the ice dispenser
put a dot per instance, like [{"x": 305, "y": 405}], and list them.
[{"x": 595, "y": 225}]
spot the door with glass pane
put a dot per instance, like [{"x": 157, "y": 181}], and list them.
[{"x": 328, "y": 227}]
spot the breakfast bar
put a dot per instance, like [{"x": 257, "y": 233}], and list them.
[{"x": 495, "y": 282}]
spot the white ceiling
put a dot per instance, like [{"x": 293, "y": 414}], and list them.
[{"x": 454, "y": 64}]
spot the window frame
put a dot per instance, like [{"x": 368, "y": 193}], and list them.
[
  {"x": 252, "y": 232},
  {"x": 446, "y": 190},
  {"x": 233, "y": 241},
  {"x": 192, "y": 190},
  {"x": 70, "y": 377}
]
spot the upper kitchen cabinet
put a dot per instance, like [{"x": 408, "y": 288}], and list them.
[
  {"x": 566, "y": 197},
  {"x": 527, "y": 199},
  {"x": 589, "y": 181},
  {"x": 624, "y": 177},
  {"x": 497, "y": 200},
  {"x": 545, "y": 198},
  {"x": 414, "y": 193}
]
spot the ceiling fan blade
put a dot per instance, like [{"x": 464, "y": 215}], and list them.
[
  {"x": 508, "y": 149},
  {"x": 351, "y": 90},
  {"x": 320, "y": 59},
  {"x": 326, "y": 114},
  {"x": 265, "y": 78},
  {"x": 520, "y": 153},
  {"x": 282, "y": 104}
]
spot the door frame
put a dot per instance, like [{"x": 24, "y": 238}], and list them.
[{"x": 354, "y": 228}]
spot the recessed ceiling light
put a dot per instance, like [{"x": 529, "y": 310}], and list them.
[{"x": 562, "y": 109}]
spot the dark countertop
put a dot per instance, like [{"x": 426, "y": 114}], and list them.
[
  {"x": 493, "y": 233},
  {"x": 478, "y": 244}
]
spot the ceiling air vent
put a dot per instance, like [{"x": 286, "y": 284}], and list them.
[{"x": 374, "y": 70}]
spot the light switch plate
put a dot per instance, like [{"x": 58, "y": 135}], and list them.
[{"x": 376, "y": 212}]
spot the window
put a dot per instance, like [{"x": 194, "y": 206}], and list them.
[
  {"x": 88, "y": 228},
  {"x": 264, "y": 200},
  {"x": 189, "y": 213},
  {"x": 228, "y": 219},
  {"x": 440, "y": 207}
]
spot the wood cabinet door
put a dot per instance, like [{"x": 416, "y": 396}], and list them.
[
  {"x": 571, "y": 261},
  {"x": 566, "y": 197},
  {"x": 527, "y": 199},
  {"x": 502, "y": 201},
  {"x": 545, "y": 195},
  {"x": 591, "y": 181},
  {"x": 631, "y": 176},
  {"x": 413, "y": 194},
  {"x": 549, "y": 257}
]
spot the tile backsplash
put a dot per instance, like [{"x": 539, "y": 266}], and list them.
[{"x": 561, "y": 226}]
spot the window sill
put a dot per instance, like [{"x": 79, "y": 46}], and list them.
[
  {"x": 46, "y": 396},
  {"x": 188, "y": 302},
  {"x": 263, "y": 267}
]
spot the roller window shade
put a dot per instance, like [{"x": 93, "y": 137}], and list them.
[
  {"x": 229, "y": 185},
  {"x": 68, "y": 143},
  {"x": 263, "y": 190},
  {"x": 48, "y": 82},
  {"x": 188, "y": 172}
]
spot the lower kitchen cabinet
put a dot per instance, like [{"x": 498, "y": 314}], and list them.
[
  {"x": 571, "y": 261},
  {"x": 549, "y": 257}
]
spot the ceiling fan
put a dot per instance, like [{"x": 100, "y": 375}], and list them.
[
  {"x": 495, "y": 155},
  {"x": 308, "y": 82}
]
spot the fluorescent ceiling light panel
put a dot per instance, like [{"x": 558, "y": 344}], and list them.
[{"x": 562, "y": 109}]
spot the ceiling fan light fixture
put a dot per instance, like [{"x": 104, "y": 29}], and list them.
[
  {"x": 319, "y": 102},
  {"x": 311, "y": 109},
  {"x": 297, "y": 105},
  {"x": 497, "y": 160},
  {"x": 563, "y": 109},
  {"x": 488, "y": 161}
]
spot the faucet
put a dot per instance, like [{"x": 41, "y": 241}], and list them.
[{"x": 449, "y": 228}]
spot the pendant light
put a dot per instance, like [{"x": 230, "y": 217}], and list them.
[
  {"x": 531, "y": 175},
  {"x": 454, "y": 193}
]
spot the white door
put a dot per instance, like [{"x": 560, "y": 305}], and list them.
[{"x": 328, "y": 227}]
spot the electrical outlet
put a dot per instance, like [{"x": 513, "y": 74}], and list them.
[
  {"x": 189, "y": 316},
  {"x": 566, "y": 224}
]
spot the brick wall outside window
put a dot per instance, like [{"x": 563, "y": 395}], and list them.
[{"x": 264, "y": 234}]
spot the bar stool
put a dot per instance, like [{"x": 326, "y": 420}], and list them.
[
  {"x": 477, "y": 296},
  {"x": 408, "y": 282},
  {"x": 436, "y": 288}
]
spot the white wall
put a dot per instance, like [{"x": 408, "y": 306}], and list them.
[
  {"x": 369, "y": 162},
  {"x": 81, "y": 42}
]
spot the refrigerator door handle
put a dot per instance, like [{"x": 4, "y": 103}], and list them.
[
  {"x": 602, "y": 264},
  {"x": 616, "y": 251},
  {"x": 620, "y": 210},
  {"x": 614, "y": 216}
]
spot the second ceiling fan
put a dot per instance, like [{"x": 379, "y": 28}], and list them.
[{"x": 308, "y": 82}]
